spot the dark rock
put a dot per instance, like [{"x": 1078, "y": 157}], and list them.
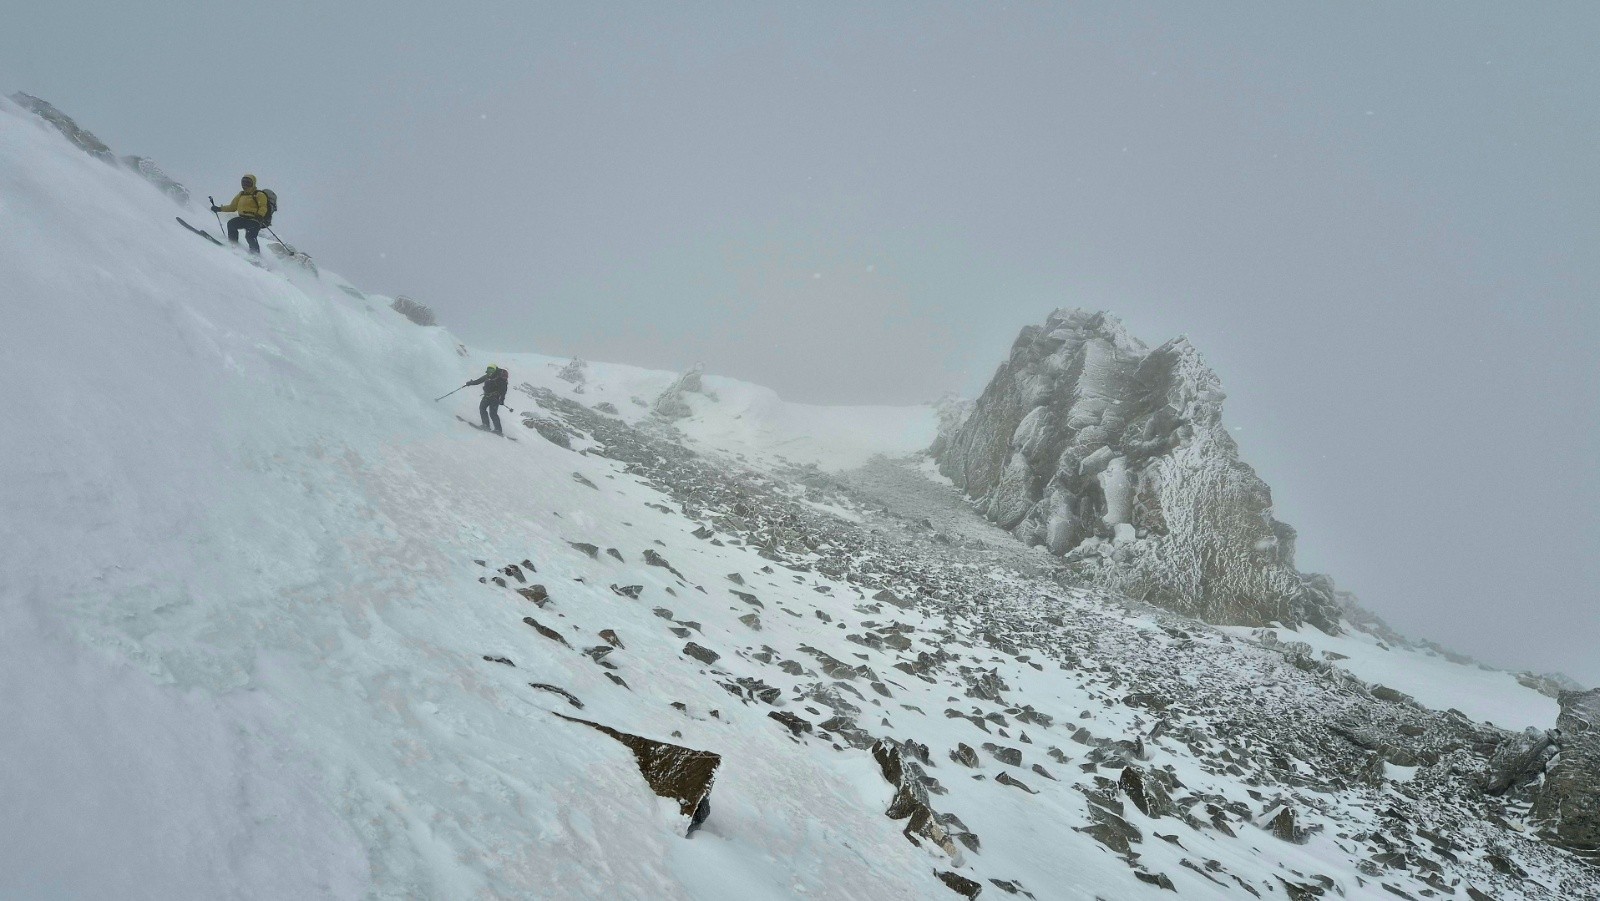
[
  {"x": 1286, "y": 826},
  {"x": 1007, "y": 756},
  {"x": 546, "y": 631},
  {"x": 610, "y": 637},
  {"x": 1569, "y": 801},
  {"x": 578, "y": 477},
  {"x": 504, "y": 660},
  {"x": 1006, "y": 779},
  {"x": 704, "y": 655},
  {"x": 910, "y": 801},
  {"x": 672, "y": 771},
  {"x": 752, "y": 620},
  {"x": 888, "y": 597},
  {"x": 655, "y": 559},
  {"x": 1148, "y": 700},
  {"x": 628, "y": 591},
  {"x": 1156, "y": 879},
  {"x": 557, "y": 434},
  {"x": 1518, "y": 760},
  {"x": 1111, "y": 830},
  {"x": 571, "y": 698},
  {"x": 592, "y": 550},
  {"x": 796, "y": 725},
  {"x": 1385, "y": 693},
  {"x": 1146, "y": 792},
  {"x": 959, "y": 884},
  {"x": 986, "y": 687},
  {"x": 964, "y": 755},
  {"x": 535, "y": 593}
]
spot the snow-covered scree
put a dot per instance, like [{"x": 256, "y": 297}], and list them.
[{"x": 277, "y": 625}]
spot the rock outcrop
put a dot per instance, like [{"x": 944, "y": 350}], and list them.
[
  {"x": 671, "y": 405},
  {"x": 1115, "y": 457},
  {"x": 1569, "y": 800},
  {"x": 85, "y": 140},
  {"x": 672, "y": 771}
]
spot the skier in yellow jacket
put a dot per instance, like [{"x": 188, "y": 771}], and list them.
[{"x": 252, "y": 208}]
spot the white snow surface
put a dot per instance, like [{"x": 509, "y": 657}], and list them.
[{"x": 244, "y": 631}]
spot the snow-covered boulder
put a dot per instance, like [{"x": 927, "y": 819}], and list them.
[
  {"x": 671, "y": 403},
  {"x": 1114, "y": 455}
]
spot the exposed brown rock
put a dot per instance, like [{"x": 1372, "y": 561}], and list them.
[
  {"x": 544, "y": 630},
  {"x": 672, "y": 771}
]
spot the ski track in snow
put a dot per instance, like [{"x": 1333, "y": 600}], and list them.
[{"x": 245, "y": 629}]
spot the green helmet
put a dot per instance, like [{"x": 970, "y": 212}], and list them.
[{"x": 491, "y": 368}]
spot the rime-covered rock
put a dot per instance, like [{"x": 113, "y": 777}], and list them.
[
  {"x": 1114, "y": 456},
  {"x": 81, "y": 137},
  {"x": 153, "y": 174},
  {"x": 1518, "y": 760},
  {"x": 85, "y": 140},
  {"x": 671, "y": 404},
  {"x": 1569, "y": 801}
]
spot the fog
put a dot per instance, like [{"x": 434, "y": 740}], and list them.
[{"x": 1377, "y": 221}]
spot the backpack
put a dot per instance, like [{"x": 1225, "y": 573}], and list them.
[{"x": 272, "y": 205}]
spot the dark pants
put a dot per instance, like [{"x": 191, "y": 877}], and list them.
[
  {"x": 489, "y": 409},
  {"x": 249, "y": 226}
]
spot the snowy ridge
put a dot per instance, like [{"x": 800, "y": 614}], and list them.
[{"x": 275, "y": 622}]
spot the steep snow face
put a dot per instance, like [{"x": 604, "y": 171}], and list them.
[
  {"x": 278, "y": 626},
  {"x": 1114, "y": 456}
]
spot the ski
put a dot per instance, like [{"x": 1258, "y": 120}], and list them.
[
  {"x": 482, "y": 429},
  {"x": 204, "y": 234}
]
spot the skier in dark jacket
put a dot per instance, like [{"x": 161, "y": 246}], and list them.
[{"x": 494, "y": 381}]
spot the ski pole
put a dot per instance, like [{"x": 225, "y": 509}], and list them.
[
  {"x": 220, "y": 229},
  {"x": 275, "y": 235},
  {"x": 443, "y": 396}
]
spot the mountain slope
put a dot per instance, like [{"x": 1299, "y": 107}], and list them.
[{"x": 279, "y": 626}]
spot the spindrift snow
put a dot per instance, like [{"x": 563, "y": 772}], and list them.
[{"x": 490, "y": 431}]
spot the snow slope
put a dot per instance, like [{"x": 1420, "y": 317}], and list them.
[
  {"x": 750, "y": 422},
  {"x": 246, "y": 581},
  {"x": 244, "y": 630}
]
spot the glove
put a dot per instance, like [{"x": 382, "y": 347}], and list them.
[{"x": 215, "y": 208}]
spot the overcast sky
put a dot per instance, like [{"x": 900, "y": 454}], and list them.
[{"x": 1380, "y": 222}]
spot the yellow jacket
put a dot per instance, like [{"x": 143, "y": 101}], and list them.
[{"x": 249, "y": 204}]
